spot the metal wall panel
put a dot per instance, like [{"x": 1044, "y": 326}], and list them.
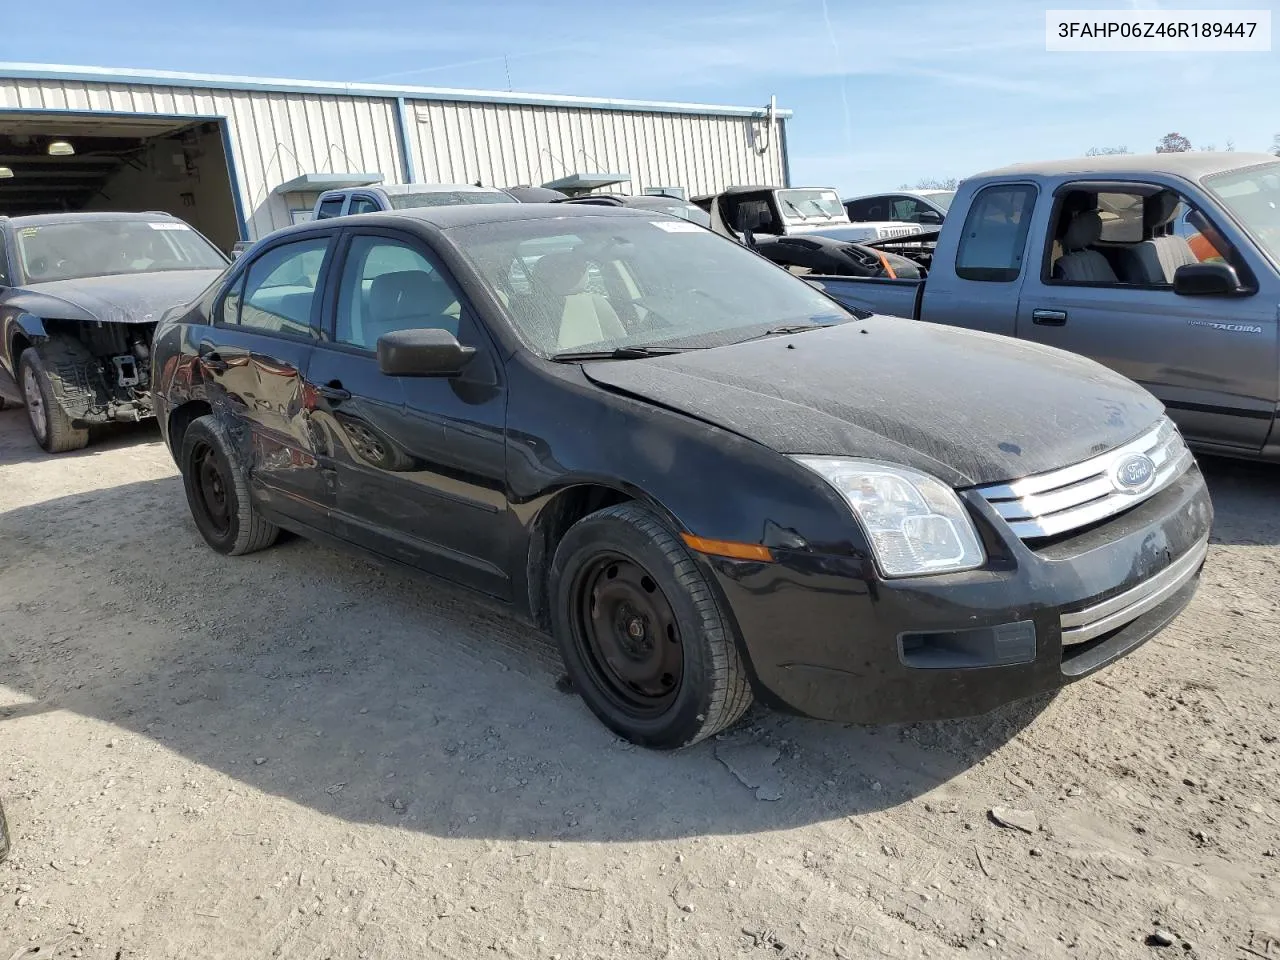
[
  {"x": 503, "y": 145},
  {"x": 276, "y": 135}
]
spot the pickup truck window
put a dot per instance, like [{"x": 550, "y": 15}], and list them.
[
  {"x": 1253, "y": 195},
  {"x": 1128, "y": 237},
  {"x": 995, "y": 233},
  {"x": 330, "y": 207},
  {"x": 362, "y": 205}
]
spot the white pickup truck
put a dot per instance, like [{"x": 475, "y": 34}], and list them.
[{"x": 786, "y": 211}]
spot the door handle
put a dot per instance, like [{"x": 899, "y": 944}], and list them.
[
  {"x": 1049, "y": 318},
  {"x": 333, "y": 390}
]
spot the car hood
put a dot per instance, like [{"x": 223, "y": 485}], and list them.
[
  {"x": 124, "y": 298},
  {"x": 970, "y": 408}
]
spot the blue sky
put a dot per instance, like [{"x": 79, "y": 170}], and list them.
[{"x": 883, "y": 93}]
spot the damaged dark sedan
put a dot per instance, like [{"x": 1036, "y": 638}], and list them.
[
  {"x": 707, "y": 480},
  {"x": 80, "y": 296}
]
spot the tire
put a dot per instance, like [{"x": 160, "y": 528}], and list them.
[
  {"x": 49, "y": 423},
  {"x": 217, "y": 487},
  {"x": 623, "y": 584}
]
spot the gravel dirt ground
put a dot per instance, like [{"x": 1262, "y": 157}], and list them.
[{"x": 300, "y": 754}]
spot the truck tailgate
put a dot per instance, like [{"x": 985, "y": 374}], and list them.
[{"x": 894, "y": 298}]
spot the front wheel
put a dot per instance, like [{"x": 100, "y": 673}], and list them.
[
  {"x": 217, "y": 489},
  {"x": 50, "y": 424},
  {"x": 643, "y": 634}
]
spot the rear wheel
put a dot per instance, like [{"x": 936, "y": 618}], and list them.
[
  {"x": 217, "y": 489},
  {"x": 50, "y": 424},
  {"x": 642, "y": 633}
]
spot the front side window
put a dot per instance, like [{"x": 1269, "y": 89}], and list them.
[
  {"x": 362, "y": 205},
  {"x": 74, "y": 249},
  {"x": 388, "y": 285},
  {"x": 4, "y": 263},
  {"x": 906, "y": 208},
  {"x": 280, "y": 289},
  {"x": 994, "y": 240},
  {"x": 599, "y": 283}
]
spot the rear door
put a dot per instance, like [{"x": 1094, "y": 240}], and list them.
[
  {"x": 1212, "y": 361},
  {"x": 420, "y": 461},
  {"x": 253, "y": 361}
]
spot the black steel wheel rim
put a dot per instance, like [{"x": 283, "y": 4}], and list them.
[
  {"x": 627, "y": 636},
  {"x": 212, "y": 495}
]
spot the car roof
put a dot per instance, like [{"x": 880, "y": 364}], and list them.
[
  {"x": 400, "y": 189},
  {"x": 44, "y": 219},
  {"x": 473, "y": 214},
  {"x": 1191, "y": 165}
]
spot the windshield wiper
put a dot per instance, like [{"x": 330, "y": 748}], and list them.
[
  {"x": 617, "y": 353},
  {"x": 788, "y": 328}
]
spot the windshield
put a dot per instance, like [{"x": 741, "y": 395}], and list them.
[
  {"x": 1253, "y": 195},
  {"x": 71, "y": 250},
  {"x": 600, "y": 283},
  {"x": 942, "y": 199},
  {"x": 807, "y": 204},
  {"x": 445, "y": 198}
]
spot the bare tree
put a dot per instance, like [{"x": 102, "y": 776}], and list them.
[
  {"x": 1105, "y": 151},
  {"x": 1275, "y": 144},
  {"x": 932, "y": 183},
  {"x": 1173, "y": 143}
]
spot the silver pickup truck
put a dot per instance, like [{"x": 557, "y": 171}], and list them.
[{"x": 1166, "y": 268}]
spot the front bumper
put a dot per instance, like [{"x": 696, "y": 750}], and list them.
[{"x": 826, "y": 637}]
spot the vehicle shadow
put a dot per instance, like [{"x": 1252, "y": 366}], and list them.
[
  {"x": 17, "y": 445},
  {"x": 1244, "y": 500},
  {"x": 379, "y": 696}
]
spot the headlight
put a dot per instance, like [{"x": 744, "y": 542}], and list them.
[{"x": 917, "y": 525}]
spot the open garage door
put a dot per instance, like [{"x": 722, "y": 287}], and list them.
[{"x": 55, "y": 162}]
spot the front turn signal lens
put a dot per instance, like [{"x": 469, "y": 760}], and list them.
[{"x": 728, "y": 548}]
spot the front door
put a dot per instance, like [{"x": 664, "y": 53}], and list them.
[
  {"x": 254, "y": 361},
  {"x": 420, "y": 461},
  {"x": 1210, "y": 360}
]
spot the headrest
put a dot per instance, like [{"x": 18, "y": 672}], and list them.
[
  {"x": 561, "y": 274},
  {"x": 1085, "y": 228},
  {"x": 1159, "y": 209},
  {"x": 407, "y": 293}
]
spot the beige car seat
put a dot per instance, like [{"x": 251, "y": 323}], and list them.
[{"x": 585, "y": 317}]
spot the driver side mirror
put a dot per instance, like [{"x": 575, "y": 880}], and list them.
[
  {"x": 1205, "y": 280},
  {"x": 932, "y": 217},
  {"x": 426, "y": 352}
]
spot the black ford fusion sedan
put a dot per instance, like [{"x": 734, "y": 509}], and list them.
[{"x": 709, "y": 481}]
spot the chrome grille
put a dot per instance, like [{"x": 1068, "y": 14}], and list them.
[{"x": 1048, "y": 504}]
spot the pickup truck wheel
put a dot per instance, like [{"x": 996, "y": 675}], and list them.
[
  {"x": 50, "y": 424},
  {"x": 217, "y": 489},
  {"x": 644, "y": 638}
]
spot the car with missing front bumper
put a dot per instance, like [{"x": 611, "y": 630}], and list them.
[
  {"x": 709, "y": 481},
  {"x": 80, "y": 296}
]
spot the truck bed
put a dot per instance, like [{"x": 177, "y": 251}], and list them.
[{"x": 895, "y": 298}]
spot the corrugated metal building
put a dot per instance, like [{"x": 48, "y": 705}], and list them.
[{"x": 239, "y": 157}]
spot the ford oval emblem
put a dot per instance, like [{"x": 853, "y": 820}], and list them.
[{"x": 1134, "y": 473}]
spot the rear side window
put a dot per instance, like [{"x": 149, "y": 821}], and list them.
[
  {"x": 995, "y": 233},
  {"x": 329, "y": 207},
  {"x": 280, "y": 289},
  {"x": 4, "y": 263}
]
